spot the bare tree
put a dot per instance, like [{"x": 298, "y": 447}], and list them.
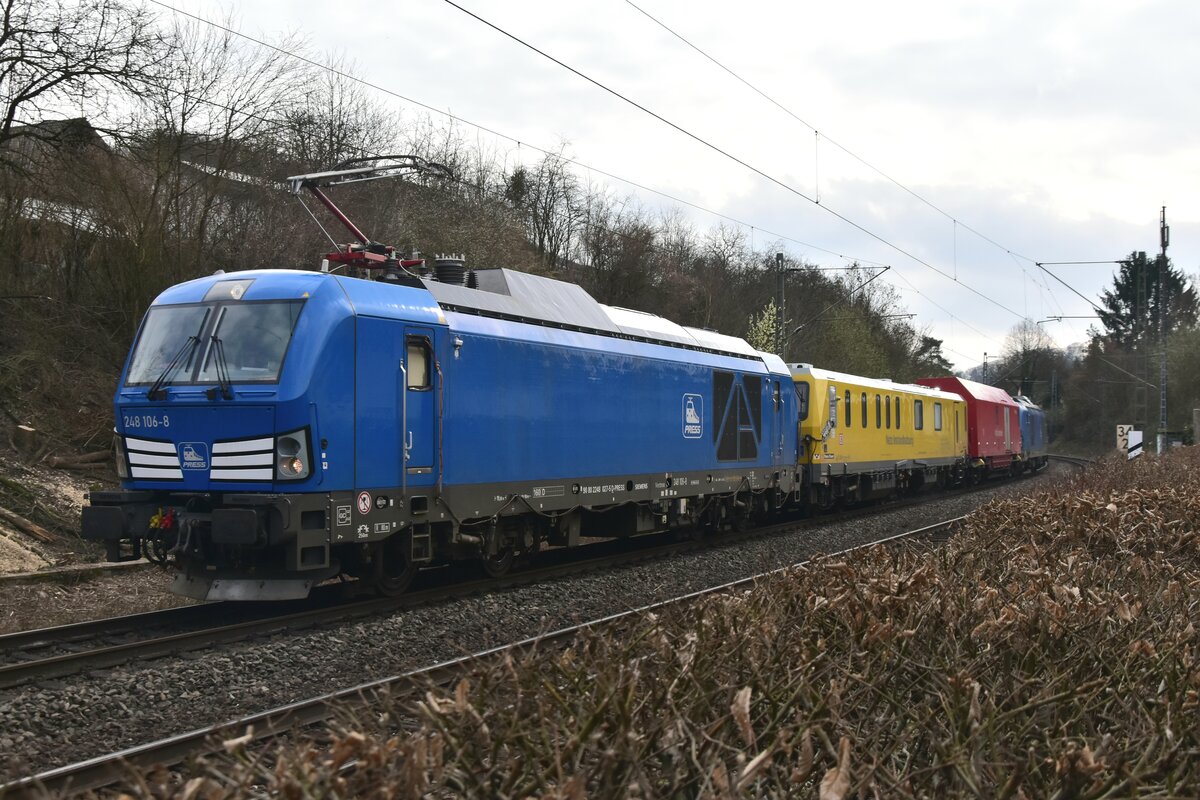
[
  {"x": 548, "y": 195},
  {"x": 57, "y": 56},
  {"x": 334, "y": 118}
]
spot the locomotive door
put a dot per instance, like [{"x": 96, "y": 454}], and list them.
[{"x": 419, "y": 407}]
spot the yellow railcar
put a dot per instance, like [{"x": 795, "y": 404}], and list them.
[{"x": 866, "y": 437}]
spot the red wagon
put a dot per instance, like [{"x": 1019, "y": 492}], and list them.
[{"x": 993, "y": 423}]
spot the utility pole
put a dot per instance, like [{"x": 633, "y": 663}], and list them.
[
  {"x": 780, "y": 316},
  {"x": 1164, "y": 237},
  {"x": 1141, "y": 324}
]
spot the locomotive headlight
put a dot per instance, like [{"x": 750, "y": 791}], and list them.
[
  {"x": 291, "y": 456},
  {"x": 119, "y": 453}
]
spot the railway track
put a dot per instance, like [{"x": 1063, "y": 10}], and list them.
[
  {"x": 1074, "y": 461},
  {"x": 58, "y": 652},
  {"x": 107, "y": 770}
]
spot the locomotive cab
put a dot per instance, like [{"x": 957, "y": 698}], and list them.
[{"x": 238, "y": 433}]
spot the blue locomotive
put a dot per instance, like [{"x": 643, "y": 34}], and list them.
[
  {"x": 1035, "y": 436},
  {"x": 277, "y": 428}
]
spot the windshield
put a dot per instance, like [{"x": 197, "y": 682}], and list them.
[
  {"x": 254, "y": 339},
  {"x": 164, "y": 335}
]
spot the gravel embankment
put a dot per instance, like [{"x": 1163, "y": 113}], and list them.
[{"x": 65, "y": 721}]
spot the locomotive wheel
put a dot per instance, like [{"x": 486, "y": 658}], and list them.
[
  {"x": 394, "y": 568},
  {"x": 529, "y": 552},
  {"x": 497, "y": 566}
]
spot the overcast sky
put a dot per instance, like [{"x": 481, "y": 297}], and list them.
[{"x": 1056, "y": 130}]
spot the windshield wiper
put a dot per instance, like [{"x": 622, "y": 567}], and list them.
[
  {"x": 224, "y": 384},
  {"x": 157, "y": 392}
]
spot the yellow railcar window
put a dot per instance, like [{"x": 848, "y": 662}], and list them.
[
  {"x": 864, "y": 409},
  {"x": 802, "y": 399},
  {"x": 918, "y": 415},
  {"x": 937, "y": 416},
  {"x": 897, "y": 413},
  {"x": 887, "y": 412},
  {"x": 849, "y": 420},
  {"x": 878, "y": 413}
]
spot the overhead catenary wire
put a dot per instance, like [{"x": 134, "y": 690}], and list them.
[
  {"x": 520, "y": 142},
  {"x": 501, "y": 135},
  {"x": 726, "y": 154},
  {"x": 490, "y": 192},
  {"x": 818, "y": 135},
  {"x": 825, "y": 135}
]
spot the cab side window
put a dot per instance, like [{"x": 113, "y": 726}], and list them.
[
  {"x": 802, "y": 399},
  {"x": 418, "y": 363},
  {"x": 918, "y": 415},
  {"x": 937, "y": 416}
]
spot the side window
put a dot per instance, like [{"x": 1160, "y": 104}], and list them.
[
  {"x": 887, "y": 408},
  {"x": 864, "y": 409},
  {"x": 802, "y": 399},
  {"x": 897, "y": 413},
  {"x": 918, "y": 415},
  {"x": 937, "y": 416},
  {"x": 878, "y": 413},
  {"x": 849, "y": 416},
  {"x": 418, "y": 363},
  {"x": 775, "y": 396}
]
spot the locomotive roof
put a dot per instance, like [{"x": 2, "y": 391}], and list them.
[
  {"x": 502, "y": 293},
  {"x": 800, "y": 370},
  {"x": 509, "y": 294}
]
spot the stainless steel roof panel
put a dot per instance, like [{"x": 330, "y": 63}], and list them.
[{"x": 517, "y": 294}]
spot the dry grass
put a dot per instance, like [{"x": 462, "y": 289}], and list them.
[{"x": 1049, "y": 651}]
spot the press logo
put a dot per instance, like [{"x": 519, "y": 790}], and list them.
[
  {"x": 193, "y": 455},
  {"x": 693, "y": 415}
]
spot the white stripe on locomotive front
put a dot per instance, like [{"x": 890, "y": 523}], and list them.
[
  {"x": 156, "y": 472},
  {"x": 242, "y": 474},
  {"x": 146, "y": 460},
  {"x": 244, "y": 446},
  {"x": 148, "y": 446},
  {"x": 254, "y": 460}
]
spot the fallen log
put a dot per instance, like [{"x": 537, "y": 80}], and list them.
[
  {"x": 32, "y": 528},
  {"x": 85, "y": 461}
]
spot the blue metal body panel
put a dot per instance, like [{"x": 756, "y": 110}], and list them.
[
  {"x": 1034, "y": 439},
  {"x": 527, "y": 402}
]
